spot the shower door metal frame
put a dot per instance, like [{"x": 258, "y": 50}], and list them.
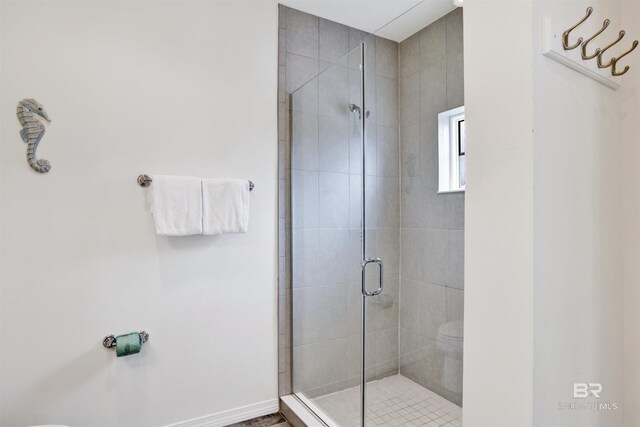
[{"x": 363, "y": 236}]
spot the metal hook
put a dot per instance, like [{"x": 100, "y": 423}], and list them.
[
  {"x": 586, "y": 42},
  {"x": 565, "y": 35},
  {"x": 615, "y": 62},
  {"x": 600, "y": 64}
]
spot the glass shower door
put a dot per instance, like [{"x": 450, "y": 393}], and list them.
[
  {"x": 344, "y": 224},
  {"x": 326, "y": 209}
]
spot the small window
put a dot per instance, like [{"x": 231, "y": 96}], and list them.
[{"x": 451, "y": 150}]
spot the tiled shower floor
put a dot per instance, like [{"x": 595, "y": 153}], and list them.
[{"x": 392, "y": 401}]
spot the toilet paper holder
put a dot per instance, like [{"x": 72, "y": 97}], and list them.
[{"x": 110, "y": 340}]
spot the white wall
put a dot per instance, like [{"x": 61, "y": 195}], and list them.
[
  {"x": 545, "y": 238},
  {"x": 498, "y": 309},
  {"x": 631, "y": 188},
  {"x": 178, "y": 87},
  {"x": 578, "y": 227}
]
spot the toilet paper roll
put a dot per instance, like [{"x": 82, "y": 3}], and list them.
[{"x": 128, "y": 344}]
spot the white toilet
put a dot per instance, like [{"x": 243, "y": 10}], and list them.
[{"x": 450, "y": 340}]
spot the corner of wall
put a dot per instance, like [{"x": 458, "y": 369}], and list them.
[{"x": 498, "y": 390}]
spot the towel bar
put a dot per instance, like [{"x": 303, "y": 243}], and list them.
[{"x": 145, "y": 181}]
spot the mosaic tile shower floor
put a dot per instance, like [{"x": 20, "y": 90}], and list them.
[{"x": 393, "y": 401}]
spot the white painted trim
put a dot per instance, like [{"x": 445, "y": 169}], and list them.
[
  {"x": 450, "y": 191},
  {"x": 302, "y": 411},
  {"x": 552, "y": 48},
  {"x": 233, "y": 415}
]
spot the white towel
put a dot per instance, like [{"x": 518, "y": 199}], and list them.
[
  {"x": 225, "y": 206},
  {"x": 177, "y": 205}
]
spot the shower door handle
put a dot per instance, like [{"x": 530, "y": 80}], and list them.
[{"x": 364, "y": 274}]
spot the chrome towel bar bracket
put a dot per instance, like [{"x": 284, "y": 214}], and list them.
[
  {"x": 110, "y": 340},
  {"x": 145, "y": 181}
]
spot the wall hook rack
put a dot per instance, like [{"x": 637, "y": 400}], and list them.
[
  {"x": 621, "y": 34},
  {"x": 586, "y": 57},
  {"x": 556, "y": 44},
  {"x": 565, "y": 35},
  {"x": 614, "y": 71}
]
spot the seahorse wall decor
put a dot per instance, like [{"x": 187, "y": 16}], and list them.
[{"x": 33, "y": 131}]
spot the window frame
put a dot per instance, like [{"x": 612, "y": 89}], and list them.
[{"x": 449, "y": 154}]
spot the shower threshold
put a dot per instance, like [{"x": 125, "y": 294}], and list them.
[{"x": 392, "y": 401}]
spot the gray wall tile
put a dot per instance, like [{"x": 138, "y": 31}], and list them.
[
  {"x": 299, "y": 70},
  {"x": 410, "y": 297},
  {"x": 409, "y": 56},
  {"x": 333, "y": 200},
  {"x": 386, "y": 101},
  {"x": 410, "y": 255},
  {"x": 334, "y": 92},
  {"x": 302, "y": 33},
  {"x": 455, "y": 32},
  {"x": 455, "y": 80},
  {"x": 355, "y": 355},
  {"x": 435, "y": 248},
  {"x": 372, "y": 204},
  {"x": 409, "y": 100},
  {"x": 333, "y": 144},
  {"x": 319, "y": 313},
  {"x": 433, "y": 44},
  {"x": 389, "y": 252},
  {"x": 456, "y": 259},
  {"x": 389, "y": 202},
  {"x": 434, "y": 309},
  {"x": 411, "y": 202},
  {"x": 432, "y": 245},
  {"x": 388, "y": 148},
  {"x": 305, "y": 100},
  {"x": 333, "y": 42},
  {"x": 386, "y": 58},
  {"x": 336, "y": 260},
  {"x": 319, "y": 364},
  {"x": 387, "y": 345},
  {"x": 304, "y": 148},
  {"x": 355, "y": 201},
  {"x": 455, "y": 305},
  {"x": 410, "y": 151},
  {"x": 282, "y": 17},
  {"x": 305, "y": 257},
  {"x": 386, "y": 306},
  {"x": 282, "y": 49},
  {"x": 454, "y": 218},
  {"x": 433, "y": 91},
  {"x": 305, "y": 201},
  {"x": 355, "y": 147}
]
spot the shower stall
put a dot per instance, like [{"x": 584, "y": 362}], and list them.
[{"x": 375, "y": 251}]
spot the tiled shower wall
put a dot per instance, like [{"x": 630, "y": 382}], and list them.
[
  {"x": 324, "y": 170},
  {"x": 432, "y": 225},
  {"x": 429, "y": 69}
]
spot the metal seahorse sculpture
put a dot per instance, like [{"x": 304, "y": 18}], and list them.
[{"x": 33, "y": 131}]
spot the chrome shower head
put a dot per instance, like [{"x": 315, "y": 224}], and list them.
[{"x": 355, "y": 109}]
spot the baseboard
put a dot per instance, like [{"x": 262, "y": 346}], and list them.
[{"x": 231, "y": 416}]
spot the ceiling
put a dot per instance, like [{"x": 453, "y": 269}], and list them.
[{"x": 377, "y": 15}]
